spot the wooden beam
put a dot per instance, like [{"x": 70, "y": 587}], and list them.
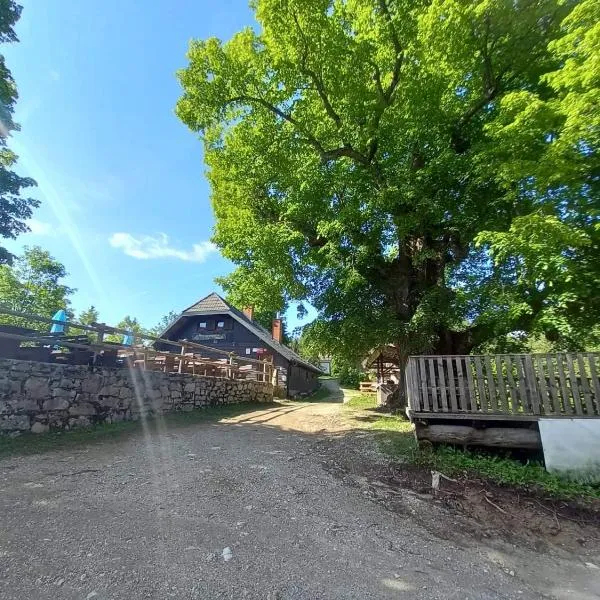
[{"x": 495, "y": 437}]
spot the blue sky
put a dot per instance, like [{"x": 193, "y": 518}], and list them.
[{"x": 125, "y": 205}]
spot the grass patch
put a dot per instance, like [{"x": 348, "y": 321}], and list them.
[
  {"x": 396, "y": 439},
  {"x": 112, "y": 432},
  {"x": 362, "y": 401}
]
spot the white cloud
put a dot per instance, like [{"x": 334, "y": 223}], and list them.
[
  {"x": 146, "y": 246},
  {"x": 40, "y": 227}
]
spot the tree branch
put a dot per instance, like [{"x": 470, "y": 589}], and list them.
[
  {"x": 346, "y": 150},
  {"x": 317, "y": 81},
  {"x": 397, "y": 49}
]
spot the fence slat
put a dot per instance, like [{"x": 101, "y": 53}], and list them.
[
  {"x": 532, "y": 385},
  {"x": 451, "y": 384},
  {"x": 585, "y": 386},
  {"x": 574, "y": 385},
  {"x": 483, "y": 403},
  {"x": 512, "y": 388},
  {"x": 553, "y": 385},
  {"x": 442, "y": 379},
  {"x": 433, "y": 384},
  {"x": 491, "y": 384},
  {"x": 462, "y": 402},
  {"x": 539, "y": 363},
  {"x": 595, "y": 383},
  {"x": 424, "y": 390},
  {"x": 501, "y": 384},
  {"x": 414, "y": 384},
  {"x": 566, "y": 398},
  {"x": 472, "y": 395},
  {"x": 522, "y": 385}
]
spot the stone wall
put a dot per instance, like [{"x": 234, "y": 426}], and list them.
[{"x": 39, "y": 397}]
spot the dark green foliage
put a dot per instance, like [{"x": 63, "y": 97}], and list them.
[{"x": 348, "y": 374}]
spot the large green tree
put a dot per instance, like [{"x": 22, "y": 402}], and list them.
[
  {"x": 164, "y": 322},
  {"x": 34, "y": 285},
  {"x": 89, "y": 316},
  {"x": 14, "y": 209},
  {"x": 372, "y": 156}
]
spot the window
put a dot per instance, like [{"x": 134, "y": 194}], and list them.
[
  {"x": 202, "y": 325},
  {"x": 248, "y": 350},
  {"x": 220, "y": 324}
]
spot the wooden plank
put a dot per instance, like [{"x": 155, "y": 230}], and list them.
[
  {"x": 546, "y": 404},
  {"x": 471, "y": 393},
  {"x": 483, "y": 401},
  {"x": 451, "y": 384},
  {"x": 423, "y": 382},
  {"x": 574, "y": 385},
  {"x": 462, "y": 397},
  {"x": 501, "y": 385},
  {"x": 595, "y": 383},
  {"x": 433, "y": 384},
  {"x": 585, "y": 386},
  {"x": 512, "y": 388},
  {"x": 566, "y": 398},
  {"x": 442, "y": 381},
  {"x": 415, "y": 384},
  {"x": 532, "y": 385},
  {"x": 522, "y": 386},
  {"x": 553, "y": 385},
  {"x": 491, "y": 384},
  {"x": 412, "y": 385},
  {"x": 490, "y": 417}
]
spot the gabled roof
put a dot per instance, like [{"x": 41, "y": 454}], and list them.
[{"x": 214, "y": 304}]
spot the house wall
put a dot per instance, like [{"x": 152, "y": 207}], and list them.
[
  {"x": 301, "y": 380},
  {"x": 38, "y": 397},
  {"x": 233, "y": 338}
]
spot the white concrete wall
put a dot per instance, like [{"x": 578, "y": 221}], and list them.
[{"x": 572, "y": 447}]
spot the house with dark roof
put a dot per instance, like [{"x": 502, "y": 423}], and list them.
[{"x": 213, "y": 322}]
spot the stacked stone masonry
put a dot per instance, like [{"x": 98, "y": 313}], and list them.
[{"x": 37, "y": 397}]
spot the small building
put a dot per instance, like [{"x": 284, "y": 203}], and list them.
[{"x": 214, "y": 322}]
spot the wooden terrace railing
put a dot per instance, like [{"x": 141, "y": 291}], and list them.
[
  {"x": 516, "y": 386},
  {"x": 187, "y": 358}
]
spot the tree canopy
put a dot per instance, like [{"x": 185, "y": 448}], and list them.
[
  {"x": 164, "y": 322},
  {"x": 34, "y": 285},
  {"x": 14, "y": 209},
  {"x": 89, "y": 316},
  {"x": 424, "y": 173}
]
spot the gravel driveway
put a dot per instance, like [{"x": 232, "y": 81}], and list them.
[{"x": 237, "y": 509}]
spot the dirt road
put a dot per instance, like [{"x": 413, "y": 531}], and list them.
[{"x": 265, "y": 505}]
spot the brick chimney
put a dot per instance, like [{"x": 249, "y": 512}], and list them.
[
  {"x": 248, "y": 312},
  {"x": 277, "y": 331}
]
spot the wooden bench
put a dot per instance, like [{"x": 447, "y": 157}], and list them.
[{"x": 369, "y": 387}]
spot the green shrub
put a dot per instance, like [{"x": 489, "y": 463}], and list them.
[{"x": 348, "y": 376}]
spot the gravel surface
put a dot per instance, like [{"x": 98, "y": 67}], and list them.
[{"x": 244, "y": 508}]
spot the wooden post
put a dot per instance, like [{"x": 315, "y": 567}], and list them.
[
  {"x": 230, "y": 362},
  {"x": 101, "y": 330},
  {"x": 180, "y": 370}
]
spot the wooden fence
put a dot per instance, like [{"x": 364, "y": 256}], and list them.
[
  {"x": 516, "y": 385},
  {"x": 189, "y": 357}
]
